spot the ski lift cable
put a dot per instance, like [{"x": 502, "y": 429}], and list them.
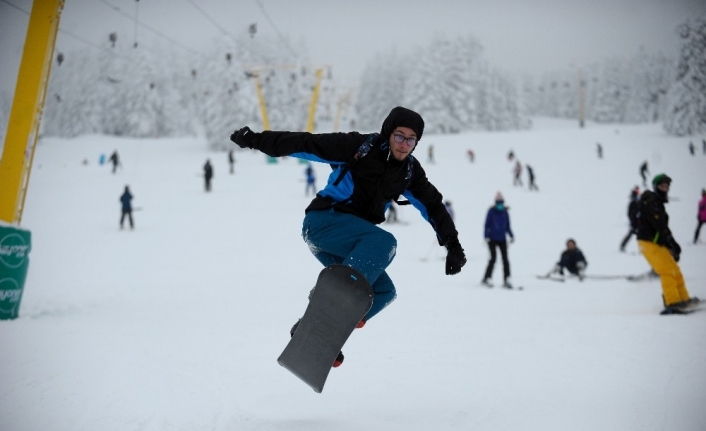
[
  {"x": 153, "y": 30},
  {"x": 16, "y": 7},
  {"x": 209, "y": 18},
  {"x": 279, "y": 34},
  {"x": 137, "y": 13},
  {"x": 61, "y": 30}
]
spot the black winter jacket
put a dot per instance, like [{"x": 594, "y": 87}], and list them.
[
  {"x": 368, "y": 185},
  {"x": 654, "y": 221}
]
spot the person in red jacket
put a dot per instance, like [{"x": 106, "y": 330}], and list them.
[{"x": 701, "y": 215}]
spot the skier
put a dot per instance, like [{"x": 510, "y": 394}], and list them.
[
  {"x": 430, "y": 153},
  {"x": 660, "y": 248},
  {"x": 208, "y": 174},
  {"x": 370, "y": 170},
  {"x": 470, "y": 155},
  {"x": 310, "y": 180},
  {"x": 497, "y": 229},
  {"x": 126, "y": 208},
  {"x": 644, "y": 172},
  {"x": 599, "y": 150},
  {"x": 701, "y": 215},
  {"x": 231, "y": 161},
  {"x": 572, "y": 259},
  {"x": 633, "y": 216},
  {"x": 530, "y": 174},
  {"x": 115, "y": 160},
  {"x": 691, "y": 148},
  {"x": 518, "y": 173}
]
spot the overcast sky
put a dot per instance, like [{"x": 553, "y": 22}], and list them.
[{"x": 517, "y": 35}]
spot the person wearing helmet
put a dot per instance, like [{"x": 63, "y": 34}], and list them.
[{"x": 661, "y": 250}]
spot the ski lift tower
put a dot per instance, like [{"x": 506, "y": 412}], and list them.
[{"x": 254, "y": 72}]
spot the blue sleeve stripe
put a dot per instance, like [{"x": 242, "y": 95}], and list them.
[{"x": 313, "y": 158}]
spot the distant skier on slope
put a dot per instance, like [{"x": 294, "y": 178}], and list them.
[
  {"x": 644, "y": 172},
  {"x": 370, "y": 170},
  {"x": 207, "y": 174},
  {"x": 633, "y": 216},
  {"x": 126, "y": 208},
  {"x": 700, "y": 215},
  {"x": 660, "y": 248}
]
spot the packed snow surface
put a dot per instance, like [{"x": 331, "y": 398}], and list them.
[{"x": 177, "y": 324}]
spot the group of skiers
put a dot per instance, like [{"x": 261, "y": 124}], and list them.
[
  {"x": 371, "y": 171},
  {"x": 517, "y": 173}
]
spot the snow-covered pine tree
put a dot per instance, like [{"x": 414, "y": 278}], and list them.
[
  {"x": 382, "y": 87},
  {"x": 650, "y": 77},
  {"x": 686, "y": 99}
]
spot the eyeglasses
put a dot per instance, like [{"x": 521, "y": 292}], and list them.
[{"x": 400, "y": 139}]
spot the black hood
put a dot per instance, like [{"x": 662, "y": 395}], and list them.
[{"x": 402, "y": 117}]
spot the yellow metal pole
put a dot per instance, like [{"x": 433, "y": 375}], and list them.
[
  {"x": 314, "y": 100},
  {"x": 263, "y": 106},
  {"x": 26, "y": 112}
]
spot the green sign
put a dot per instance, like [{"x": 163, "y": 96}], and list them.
[{"x": 15, "y": 245}]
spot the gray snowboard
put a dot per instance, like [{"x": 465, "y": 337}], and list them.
[{"x": 340, "y": 299}]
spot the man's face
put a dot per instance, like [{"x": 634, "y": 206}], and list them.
[
  {"x": 571, "y": 245},
  {"x": 400, "y": 150},
  {"x": 663, "y": 187}
]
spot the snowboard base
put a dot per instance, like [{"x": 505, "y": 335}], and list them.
[{"x": 339, "y": 301}]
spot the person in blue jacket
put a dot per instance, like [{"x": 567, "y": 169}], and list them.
[
  {"x": 369, "y": 172},
  {"x": 497, "y": 229}
]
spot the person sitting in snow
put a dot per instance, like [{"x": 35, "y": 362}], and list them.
[
  {"x": 370, "y": 171},
  {"x": 572, "y": 259}
]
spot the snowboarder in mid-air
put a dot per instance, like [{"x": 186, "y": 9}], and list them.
[{"x": 369, "y": 171}]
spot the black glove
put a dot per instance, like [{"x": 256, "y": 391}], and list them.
[
  {"x": 455, "y": 258},
  {"x": 245, "y": 138},
  {"x": 674, "y": 248}
]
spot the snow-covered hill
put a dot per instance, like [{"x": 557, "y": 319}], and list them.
[{"x": 177, "y": 325}]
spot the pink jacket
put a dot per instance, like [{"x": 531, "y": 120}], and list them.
[{"x": 702, "y": 209}]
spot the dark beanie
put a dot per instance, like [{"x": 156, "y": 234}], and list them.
[{"x": 402, "y": 117}]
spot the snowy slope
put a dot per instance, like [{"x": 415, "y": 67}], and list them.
[{"x": 177, "y": 325}]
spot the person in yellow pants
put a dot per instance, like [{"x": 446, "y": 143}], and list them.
[{"x": 661, "y": 249}]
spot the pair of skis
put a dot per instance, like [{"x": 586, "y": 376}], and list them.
[{"x": 631, "y": 277}]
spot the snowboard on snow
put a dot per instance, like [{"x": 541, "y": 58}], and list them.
[{"x": 339, "y": 301}]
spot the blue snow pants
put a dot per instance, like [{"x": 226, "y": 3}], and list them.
[{"x": 340, "y": 238}]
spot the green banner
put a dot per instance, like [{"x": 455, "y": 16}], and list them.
[{"x": 15, "y": 245}]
